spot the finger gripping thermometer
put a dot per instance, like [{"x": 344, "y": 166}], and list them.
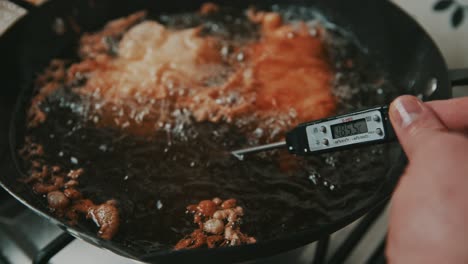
[{"x": 367, "y": 127}]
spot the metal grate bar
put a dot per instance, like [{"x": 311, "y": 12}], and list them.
[
  {"x": 19, "y": 238},
  {"x": 378, "y": 257},
  {"x": 321, "y": 250},
  {"x": 3, "y": 259},
  {"x": 345, "y": 249},
  {"x": 45, "y": 254}
]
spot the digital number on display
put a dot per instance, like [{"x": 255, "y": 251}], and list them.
[{"x": 349, "y": 129}]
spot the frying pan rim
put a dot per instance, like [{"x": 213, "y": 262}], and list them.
[{"x": 264, "y": 243}]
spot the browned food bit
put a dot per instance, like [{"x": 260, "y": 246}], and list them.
[
  {"x": 37, "y": 175},
  {"x": 50, "y": 180},
  {"x": 206, "y": 207},
  {"x": 71, "y": 183},
  {"x": 195, "y": 240},
  {"x": 183, "y": 243},
  {"x": 192, "y": 208},
  {"x": 35, "y": 164},
  {"x": 36, "y": 116},
  {"x": 79, "y": 70},
  {"x": 246, "y": 238},
  {"x": 230, "y": 203},
  {"x": 219, "y": 229},
  {"x": 217, "y": 200},
  {"x": 78, "y": 207},
  {"x": 31, "y": 149},
  {"x": 94, "y": 44},
  {"x": 209, "y": 8},
  {"x": 44, "y": 172},
  {"x": 268, "y": 20},
  {"x": 239, "y": 210},
  {"x": 75, "y": 174},
  {"x": 49, "y": 81},
  {"x": 42, "y": 188},
  {"x": 72, "y": 193},
  {"x": 106, "y": 217},
  {"x": 231, "y": 235},
  {"x": 197, "y": 219},
  {"x": 199, "y": 239},
  {"x": 57, "y": 200},
  {"x": 56, "y": 169},
  {"x": 214, "y": 226},
  {"x": 214, "y": 241},
  {"x": 36, "y": 2},
  {"x": 55, "y": 72},
  {"x": 83, "y": 206},
  {"x": 230, "y": 214},
  {"x": 74, "y": 25}
]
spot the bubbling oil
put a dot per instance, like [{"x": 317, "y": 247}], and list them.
[{"x": 154, "y": 179}]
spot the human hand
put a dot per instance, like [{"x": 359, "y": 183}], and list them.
[{"x": 429, "y": 211}]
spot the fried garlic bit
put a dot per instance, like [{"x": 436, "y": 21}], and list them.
[
  {"x": 218, "y": 225},
  {"x": 59, "y": 186}
]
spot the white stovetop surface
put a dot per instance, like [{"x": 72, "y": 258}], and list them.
[{"x": 453, "y": 42}]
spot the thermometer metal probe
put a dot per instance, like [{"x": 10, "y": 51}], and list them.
[{"x": 367, "y": 127}]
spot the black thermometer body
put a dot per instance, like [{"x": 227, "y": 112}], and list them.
[{"x": 367, "y": 127}]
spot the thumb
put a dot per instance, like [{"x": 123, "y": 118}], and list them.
[{"x": 415, "y": 123}]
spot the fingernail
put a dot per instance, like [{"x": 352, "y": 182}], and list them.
[{"x": 405, "y": 110}]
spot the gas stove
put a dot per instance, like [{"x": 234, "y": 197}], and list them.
[{"x": 28, "y": 238}]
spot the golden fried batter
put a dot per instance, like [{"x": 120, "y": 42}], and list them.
[{"x": 158, "y": 70}]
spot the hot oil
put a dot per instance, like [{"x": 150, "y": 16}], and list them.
[{"x": 154, "y": 179}]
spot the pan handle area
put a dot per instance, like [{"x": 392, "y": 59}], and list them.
[
  {"x": 458, "y": 77},
  {"x": 10, "y": 13}
]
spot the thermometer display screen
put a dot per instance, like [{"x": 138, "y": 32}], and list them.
[{"x": 349, "y": 128}]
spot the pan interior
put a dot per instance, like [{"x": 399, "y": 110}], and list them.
[
  {"x": 154, "y": 179},
  {"x": 357, "y": 175}
]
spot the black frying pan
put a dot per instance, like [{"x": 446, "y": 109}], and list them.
[{"x": 397, "y": 42}]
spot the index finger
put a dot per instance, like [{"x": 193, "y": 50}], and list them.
[{"x": 453, "y": 113}]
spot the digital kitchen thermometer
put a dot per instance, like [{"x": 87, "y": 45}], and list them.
[{"x": 371, "y": 126}]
